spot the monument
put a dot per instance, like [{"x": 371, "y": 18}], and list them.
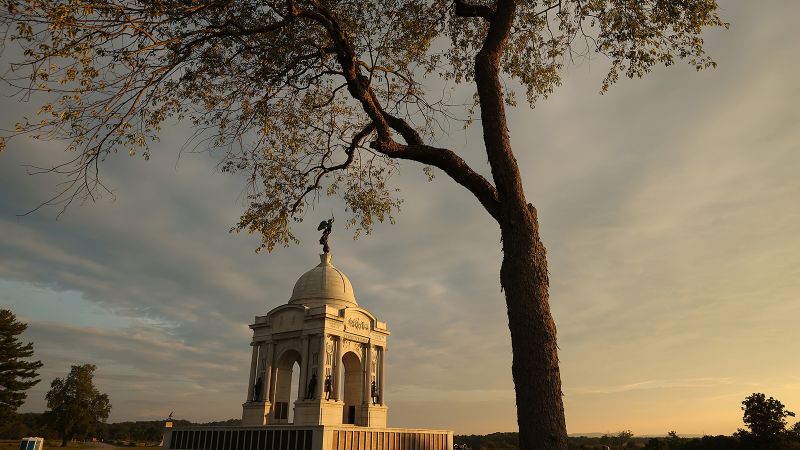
[
  {"x": 339, "y": 350},
  {"x": 338, "y": 347}
]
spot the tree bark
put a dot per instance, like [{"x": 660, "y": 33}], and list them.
[{"x": 537, "y": 380}]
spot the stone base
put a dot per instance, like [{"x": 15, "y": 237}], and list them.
[
  {"x": 318, "y": 412},
  {"x": 373, "y": 416},
  {"x": 255, "y": 413},
  {"x": 307, "y": 437}
]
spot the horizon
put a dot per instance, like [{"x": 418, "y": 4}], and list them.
[
  {"x": 575, "y": 434},
  {"x": 668, "y": 208}
]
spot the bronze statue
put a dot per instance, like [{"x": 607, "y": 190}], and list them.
[
  {"x": 374, "y": 392},
  {"x": 312, "y": 384},
  {"x": 328, "y": 387},
  {"x": 326, "y": 226},
  {"x": 257, "y": 390}
]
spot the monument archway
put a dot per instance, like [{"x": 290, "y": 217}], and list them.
[
  {"x": 353, "y": 380},
  {"x": 283, "y": 384}
]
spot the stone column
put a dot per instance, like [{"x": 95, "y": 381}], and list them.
[
  {"x": 337, "y": 368},
  {"x": 304, "y": 368},
  {"x": 267, "y": 376},
  {"x": 272, "y": 375},
  {"x": 366, "y": 391},
  {"x": 323, "y": 361},
  {"x": 381, "y": 361},
  {"x": 253, "y": 368}
]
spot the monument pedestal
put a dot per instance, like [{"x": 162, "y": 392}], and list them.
[
  {"x": 318, "y": 412},
  {"x": 255, "y": 413},
  {"x": 373, "y": 416}
]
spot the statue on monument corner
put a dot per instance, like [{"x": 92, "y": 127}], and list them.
[
  {"x": 312, "y": 384},
  {"x": 257, "y": 389},
  {"x": 328, "y": 387},
  {"x": 374, "y": 392},
  {"x": 326, "y": 226}
]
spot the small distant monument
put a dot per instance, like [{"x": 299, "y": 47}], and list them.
[
  {"x": 339, "y": 350},
  {"x": 167, "y": 426}
]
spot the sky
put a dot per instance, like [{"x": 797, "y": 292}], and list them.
[{"x": 670, "y": 208}]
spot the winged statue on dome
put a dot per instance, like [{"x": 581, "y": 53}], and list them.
[{"x": 326, "y": 226}]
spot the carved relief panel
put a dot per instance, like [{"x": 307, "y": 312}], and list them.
[{"x": 356, "y": 322}]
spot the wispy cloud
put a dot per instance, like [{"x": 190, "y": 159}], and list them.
[{"x": 651, "y": 384}]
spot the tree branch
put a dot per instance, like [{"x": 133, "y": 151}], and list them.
[
  {"x": 505, "y": 170},
  {"x": 358, "y": 86},
  {"x": 383, "y": 122},
  {"x": 451, "y": 164},
  {"x": 323, "y": 170},
  {"x": 464, "y": 9}
]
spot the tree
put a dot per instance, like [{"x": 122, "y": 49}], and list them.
[
  {"x": 17, "y": 375},
  {"x": 619, "y": 439},
  {"x": 656, "y": 444},
  {"x": 766, "y": 419},
  {"x": 672, "y": 435},
  {"x": 709, "y": 443},
  {"x": 75, "y": 405},
  {"x": 313, "y": 97},
  {"x": 795, "y": 431}
]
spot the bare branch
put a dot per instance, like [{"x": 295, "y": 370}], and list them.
[{"x": 323, "y": 170}]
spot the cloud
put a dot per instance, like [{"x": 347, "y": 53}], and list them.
[
  {"x": 142, "y": 367},
  {"x": 652, "y": 384}
]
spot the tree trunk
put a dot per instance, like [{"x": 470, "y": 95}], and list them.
[
  {"x": 64, "y": 441},
  {"x": 537, "y": 380},
  {"x": 523, "y": 274}
]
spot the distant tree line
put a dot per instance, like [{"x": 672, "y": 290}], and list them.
[
  {"x": 38, "y": 424},
  {"x": 764, "y": 418},
  {"x": 499, "y": 441},
  {"x": 508, "y": 441},
  {"x": 493, "y": 441}
]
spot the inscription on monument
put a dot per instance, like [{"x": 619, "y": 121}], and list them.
[
  {"x": 356, "y": 338},
  {"x": 357, "y": 325}
]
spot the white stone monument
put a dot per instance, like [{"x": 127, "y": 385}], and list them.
[
  {"x": 339, "y": 350},
  {"x": 339, "y": 347}
]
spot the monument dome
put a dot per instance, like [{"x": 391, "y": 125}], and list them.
[{"x": 324, "y": 285}]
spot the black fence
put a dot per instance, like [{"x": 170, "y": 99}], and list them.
[{"x": 240, "y": 439}]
